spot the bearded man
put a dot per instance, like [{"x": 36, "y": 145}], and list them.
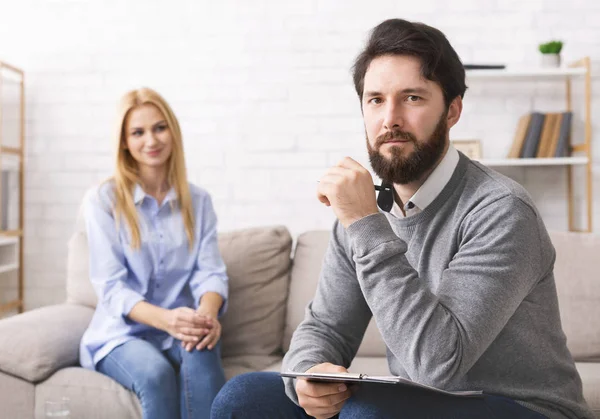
[{"x": 458, "y": 274}]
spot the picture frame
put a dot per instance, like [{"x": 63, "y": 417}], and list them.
[{"x": 470, "y": 148}]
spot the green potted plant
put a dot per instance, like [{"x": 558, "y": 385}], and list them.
[{"x": 551, "y": 53}]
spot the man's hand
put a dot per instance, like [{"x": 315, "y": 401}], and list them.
[
  {"x": 322, "y": 400},
  {"x": 185, "y": 324},
  {"x": 348, "y": 188}
]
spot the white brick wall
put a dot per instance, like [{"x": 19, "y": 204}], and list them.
[{"x": 264, "y": 95}]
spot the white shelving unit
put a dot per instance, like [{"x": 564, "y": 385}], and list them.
[
  {"x": 582, "y": 149},
  {"x": 9, "y": 254},
  {"x": 556, "y": 161},
  {"x": 12, "y": 168},
  {"x": 527, "y": 73},
  {"x": 9, "y": 263}
]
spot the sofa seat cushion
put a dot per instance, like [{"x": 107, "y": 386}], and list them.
[
  {"x": 258, "y": 265},
  {"x": 236, "y": 365},
  {"x": 16, "y": 397},
  {"x": 576, "y": 272},
  {"x": 91, "y": 395},
  {"x": 276, "y": 367},
  {"x": 79, "y": 287},
  {"x": 590, "y": 377},
  {"x": 308, "y": 258}
]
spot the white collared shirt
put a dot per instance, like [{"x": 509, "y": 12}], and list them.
[{"x": 431, "y": 188}]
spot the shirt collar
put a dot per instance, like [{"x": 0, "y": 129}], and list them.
[
  {"x": 437, "y": 180},
  {"x": 433, "y": 185},
  {"x": 139, "y": 195}
]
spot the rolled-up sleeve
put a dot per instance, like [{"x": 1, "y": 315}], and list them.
[
  {"x": 210, "y": 273},
  {"x": 108, "y": 271}
]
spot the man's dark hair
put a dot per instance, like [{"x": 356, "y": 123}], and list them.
[{"x": 439, "y": 61}]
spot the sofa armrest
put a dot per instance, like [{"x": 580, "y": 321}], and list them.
[{"x": 35, "y": 344}]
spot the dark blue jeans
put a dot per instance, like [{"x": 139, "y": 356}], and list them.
[
  {"x": 260, "y": 395},
  {"x": 170, "y": 385}
]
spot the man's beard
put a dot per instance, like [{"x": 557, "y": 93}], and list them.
[{"x": 402, "y": 169}]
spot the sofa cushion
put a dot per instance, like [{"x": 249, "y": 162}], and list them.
[
  {"x": 35, "y": 344},
  {"x": 79, "y": 287},
  {"x": 576, "y": 275},
  {"x": 258, "y": 266},
  {"x": 590, "y": 377},
  {"x": 91, "y": 395},
  {"x": 236, "y": 365},
  {"x": 306, "y": 268},
  {"x": 16, "y": 397}
]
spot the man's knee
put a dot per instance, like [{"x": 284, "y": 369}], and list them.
[
  {"x": 238, "y": 391},
  {"x": 245, "y": 393},
  {"x": 360, "y": 409}
]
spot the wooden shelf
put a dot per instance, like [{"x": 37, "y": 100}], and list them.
[
  {"x": 556, "y": 161},
  {"x": 11, "y": 242},
  {"x": 10, "y": 73},
  {"x": 12, "y": 150},
  {"x": 10, "y": 306},
  {"x": 527, "y": 73},
  {"x": 11, "y": 233},
  {"x": 9, "y": 268},
  {"x": 6, "y": 240}
]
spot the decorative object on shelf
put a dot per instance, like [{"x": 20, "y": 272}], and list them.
[
  {"x": 470, "y": 148},
  {"x": 12, "y": 168},
  {"x": 551, "y": 53}
]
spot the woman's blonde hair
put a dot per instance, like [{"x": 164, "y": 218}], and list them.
[{"x": 126, "y": 175}]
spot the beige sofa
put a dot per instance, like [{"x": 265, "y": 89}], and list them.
[{"x": 269, "y": 290}]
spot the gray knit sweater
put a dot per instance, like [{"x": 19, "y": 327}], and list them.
[{"x": 463, "y": 294}]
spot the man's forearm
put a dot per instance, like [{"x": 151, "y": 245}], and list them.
[{"x": 439, "y": 336}]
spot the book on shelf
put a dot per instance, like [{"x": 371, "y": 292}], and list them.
[
  {"x": 562, "y": 146},
  {"x": 542, "y": 135},
  {"x": 546, "y": 134},
  {"x": 532, "y": 139},
  {"x": 550, "y": 149},
  {"x": 520, "y": 134}
]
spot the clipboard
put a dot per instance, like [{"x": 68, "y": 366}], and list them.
[{"x": 350, "y": 378}]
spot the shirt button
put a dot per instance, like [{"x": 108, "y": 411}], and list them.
[{"x": 410, "y": 205}]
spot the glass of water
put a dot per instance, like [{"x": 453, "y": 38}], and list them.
[{"x": 57, "y": 408}]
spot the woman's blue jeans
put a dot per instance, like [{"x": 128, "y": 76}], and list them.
[{"x": 170, "y": 384}]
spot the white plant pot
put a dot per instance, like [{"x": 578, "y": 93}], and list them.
[{"x": 550, "y": 60}]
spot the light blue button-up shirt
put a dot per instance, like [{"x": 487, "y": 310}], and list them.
[{"x": 163, "y": 271}]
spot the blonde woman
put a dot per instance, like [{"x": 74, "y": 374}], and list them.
[{"x": 156, "y": 269}]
